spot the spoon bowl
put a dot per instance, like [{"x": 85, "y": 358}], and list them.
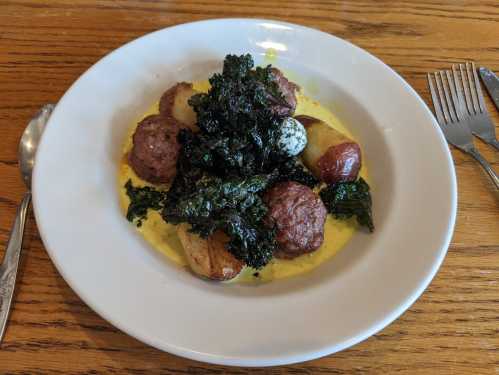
[{"x": 29, "y": 143}]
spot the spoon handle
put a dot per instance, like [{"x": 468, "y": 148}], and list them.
[{"x": 8, "y": 269}]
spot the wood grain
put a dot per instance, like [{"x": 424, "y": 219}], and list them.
[{"x": 45, "y": 45}]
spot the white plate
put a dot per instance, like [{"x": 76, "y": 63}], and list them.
[{"x": 368, "y": 285}]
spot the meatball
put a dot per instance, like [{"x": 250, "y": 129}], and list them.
[
  {"x": 155, "y": 149},
  {"x": 298, "y": 215},
  {"x": 287, "y": 89}
]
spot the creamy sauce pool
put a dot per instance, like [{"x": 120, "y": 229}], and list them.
[{"x": 163, "y": 237}]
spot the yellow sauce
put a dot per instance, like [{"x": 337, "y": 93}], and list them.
[
  {"x": 270, "y": 56},
  {"x": 162, "y": 236}
]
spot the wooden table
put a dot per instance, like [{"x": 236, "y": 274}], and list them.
[{"x": 45, "y": 45}]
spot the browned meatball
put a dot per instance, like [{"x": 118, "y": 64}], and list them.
[
  {"x": 288, "y": 90},
  {"x": 155, "y": 149},
  {"x": 299, "y": 216}
]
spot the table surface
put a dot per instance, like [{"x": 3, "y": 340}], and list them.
[{"x": 45, "y": 45}]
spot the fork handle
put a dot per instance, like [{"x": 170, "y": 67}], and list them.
[
  {"x": 485, "y": 164},
  {"x": 495, "y": 144}
]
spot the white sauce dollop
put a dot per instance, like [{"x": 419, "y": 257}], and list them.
[{"x": 292, "y": 138}]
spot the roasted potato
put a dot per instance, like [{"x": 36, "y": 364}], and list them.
[
  {"x": 174, "y": 103},
  {"x": 331, "y": 156},
  {"x": 208, "y": 257}
]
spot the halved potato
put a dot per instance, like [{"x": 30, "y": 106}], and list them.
[
  {"x": 330, "y": 155},
  {"x": 208, "y": 257},
  {"x": 174, "y": 103}
]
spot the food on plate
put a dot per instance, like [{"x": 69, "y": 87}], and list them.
[
  {"x": 292, "y": 137},
  {"x": 283, "y": 102},
  {"x": 174, "y": 104},
  {"x": 294, "y": 170},
  {"x": 348, "y": 199},
  {"x": 298, "y": 215},
  {"x": 141, "y": 200},
  {"x": 155, "y": 149},
  {"x": 209, "y": 257},
  {"x": 331, "y": 156},
  {"x": 233, "y": 206},
  {"x": 235, "y": 177}
]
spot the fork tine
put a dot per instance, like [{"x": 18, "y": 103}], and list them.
[
  {"x": 448, "y": 101},
  {"x": 461, "y": 107},
  {"x": 472, "y": 88},
  {"x": 466, "y": 91},
  {"x": 440, "y": 91},
  {"x": 455, "y": 100},
  {"x": 478, "y": 88},
  {"x": 436, "y": 103}
]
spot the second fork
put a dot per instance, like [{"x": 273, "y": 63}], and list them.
[
  {"x": 449, "y": 103},
  {"x": 480, "y": 122}
]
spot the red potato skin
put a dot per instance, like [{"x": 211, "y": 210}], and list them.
[
  {"x": 340, "y": 163},
  {"x": 331, "y": 156}
]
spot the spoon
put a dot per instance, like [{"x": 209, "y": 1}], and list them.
[{"x": 8, "y": 269}]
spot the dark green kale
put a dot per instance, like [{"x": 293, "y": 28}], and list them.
[
  {"x": 251, "y": 240},
  {"x": 238, "y": 98},
  {"x": 142, "y": 199},
  {"x": 238, "y": 128},
  {"x": 219, "y": 155},
  {"x": 292, "y": 170},
  {"x": 230, "y": 205},
  {"x": 212, "y": 194},
  {"x": 347, "y": 199}
]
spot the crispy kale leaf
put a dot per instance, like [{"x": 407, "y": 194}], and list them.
[
  {"x": 292, "y": 170},
  {"x": 251, "y": 241},
  {"x": 142, "y": 199},
  {"x": 231, "y": 205},
  {"x": 219, "y": 155},
  {"x": 212, "y": 194},
  {"x": 238, "y": 98},
  {"x": 347, "y": 199},
  {"x": 238, "y": 128}
]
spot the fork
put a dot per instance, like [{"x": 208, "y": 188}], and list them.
[
  {"x": 480, "y": 123},
  {"x": 452, "y": 116}
]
